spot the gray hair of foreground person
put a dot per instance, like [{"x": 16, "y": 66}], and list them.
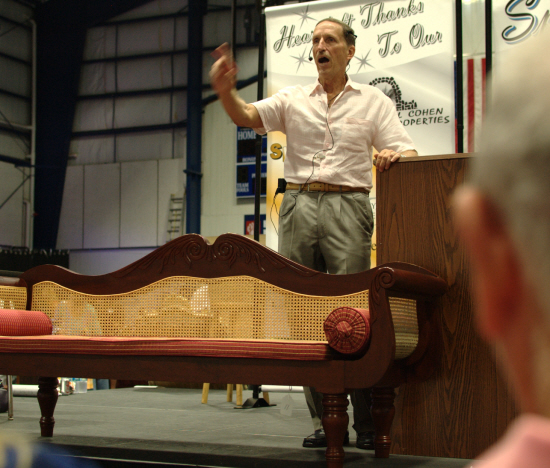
[
  {"x": 514, "y": 170},
  {"x": 503, "y": 218}
]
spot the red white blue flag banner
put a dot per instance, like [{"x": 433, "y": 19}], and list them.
[{"x": 474, "y": 82}]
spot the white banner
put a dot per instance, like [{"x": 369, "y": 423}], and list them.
[
  {"x": 404, "y": 47},
  {"x": 517, "y": 21}
]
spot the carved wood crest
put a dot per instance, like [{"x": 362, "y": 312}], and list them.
[{"x": 230, "y": 249}]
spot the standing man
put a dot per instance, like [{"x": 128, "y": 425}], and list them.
[
  {"x": 503, "y": 218},
  {"x": 326, "y": 219}
]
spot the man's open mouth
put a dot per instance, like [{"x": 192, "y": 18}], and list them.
[{"x": 324, "y": 60}]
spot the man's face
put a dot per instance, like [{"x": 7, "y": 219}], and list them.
[{"x": 330, "y": 50}]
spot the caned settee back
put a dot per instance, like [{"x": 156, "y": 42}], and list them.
[
  {"x": 234, "y": 289},
  {"x": 13, "y": 297}
]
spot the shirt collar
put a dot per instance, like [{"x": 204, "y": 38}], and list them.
[
  {"x": 318, "y": 88},
  {"x": 352, "y": 84}
]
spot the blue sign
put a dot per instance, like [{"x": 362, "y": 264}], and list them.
[
  {"x": 246, "y": 146},
  {"x": 246, "y": 180},
  {"x": 246, "y": 163}
]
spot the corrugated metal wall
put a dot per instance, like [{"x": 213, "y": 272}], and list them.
[
  {"x": 15, "y": 121},
  {"x": 129, "y": 136}
]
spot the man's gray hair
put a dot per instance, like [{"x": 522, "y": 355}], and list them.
[
  {"x": 349, "y": 33},
  {"x": 513, "y": 168}
]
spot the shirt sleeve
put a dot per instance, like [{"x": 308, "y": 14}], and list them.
[
  {"x": 391, "y": 134},
  {"x": 271, "y": 112}
]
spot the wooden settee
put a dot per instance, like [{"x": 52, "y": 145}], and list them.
[{"x": 233, "y": 311}]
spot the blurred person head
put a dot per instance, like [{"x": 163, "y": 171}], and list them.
[{"x": 503, "y": 218}]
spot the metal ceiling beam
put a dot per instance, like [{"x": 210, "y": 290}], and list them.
[
  {"x": 166, "y": 53},
  {"x": 151, "y": 128},
  {"x": 197, "y": 10},
  {"x": 28, "y": 63},
  {"x": 5, "y": 92},
  {"x": 15, "y": 23},
  {"x": 15, "y": 161},
  {"x": 177, "y": 14}
]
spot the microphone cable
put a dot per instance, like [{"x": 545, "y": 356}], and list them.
[
  {"x": 281, "y": 188},
  {"x": 322, "y": 150}
]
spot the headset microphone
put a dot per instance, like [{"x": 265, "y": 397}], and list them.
[{"x": 310, "y": 55}]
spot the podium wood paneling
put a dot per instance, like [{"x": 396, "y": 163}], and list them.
[{"x": 465, "y": 406}]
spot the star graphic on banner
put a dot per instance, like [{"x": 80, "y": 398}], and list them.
[
  {"x": 364, "y": 61},
  {"x": 304, "y": 16},
  {"x": 301, "y": 59}
]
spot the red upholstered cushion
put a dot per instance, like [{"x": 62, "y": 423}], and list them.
[
  {"x": 348, "y": 330},
  {"x": 24, "y": 323},
  {"x": 138, "y": 346}
]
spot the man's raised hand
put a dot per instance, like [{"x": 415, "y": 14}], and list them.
[{"x": 224, "y": 70}]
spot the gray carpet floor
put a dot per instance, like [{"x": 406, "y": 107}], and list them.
[{"x": 171, "y": 426}]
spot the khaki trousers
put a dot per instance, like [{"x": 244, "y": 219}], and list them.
[{"x": 329, "y": 232}]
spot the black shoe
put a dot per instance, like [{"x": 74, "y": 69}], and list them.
[
  {"x": 318, "y": 439},
  {"x": 365, "y": 440}
]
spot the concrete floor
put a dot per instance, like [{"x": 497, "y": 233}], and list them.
[{"x": 171, "y": 426}]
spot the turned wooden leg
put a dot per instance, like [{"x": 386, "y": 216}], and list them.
[
  {"x": 335, "y": 424},
  {"x": 205, "y": 390},
  {"x": 47, "y": 399},
  {"x": 383, "y": 412},
  {"x": 229, "y": 392},
  {"x": 239, "y": 397},
  {"x": 10, "y": 398}
]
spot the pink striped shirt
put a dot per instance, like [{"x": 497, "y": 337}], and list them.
[
  {"x": 338, "y": 140},
  {"x": 526, "y": 444}
]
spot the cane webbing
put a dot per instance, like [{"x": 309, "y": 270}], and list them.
[
  {"x": 238, "y": 307},
  {"x": 405, "y": 323},
  {"x": 13, "y": 297}
]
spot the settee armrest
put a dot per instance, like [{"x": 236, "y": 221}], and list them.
[
  {"x": 11, "y": 281},
  {"x": 348, "y": 330},
  {"x": 24, "y": 323}
]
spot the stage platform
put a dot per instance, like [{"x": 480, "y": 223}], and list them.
[{"x": 169, "y": 427}]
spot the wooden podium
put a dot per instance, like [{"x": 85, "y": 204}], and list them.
[{"x": 465, "y": 405}]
